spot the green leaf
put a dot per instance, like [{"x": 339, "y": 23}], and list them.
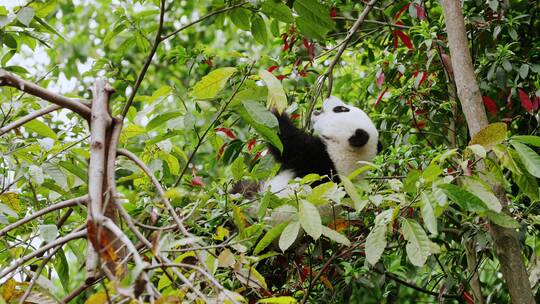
[
  {"x": 311, "y": 29},
  {"x": 258, "y": 117},
  {"x": 528, "y": 185},
  {"x": 427, "y": 213},
  {"x": 318, "y": 196},
  {"x": 289, "y": 235},
  {"x": 74, "y": 169},
  {"x": 40, "y": 128},
  {"x": 524, "y": 70},
  {"x": 62, "y": 269},
  {"x": 210, "y": 85},
  {"x": 270, "y": 236},
  {"x": 278, "y": 10},
  {"x": 530, "y": 159},
  {"x": 310, "y": 219},
  {"x": 502, "y": 219},
  {"x": 251, "y": 277},
  {"x": 483, "y": 192},
  {"x": 314, "y": 12},
  {"x": 351, "y": 191},
  {"x": 527, "y": 139},
  {"x": 276, "y": 95},
  {"x": 375, "y": 243},
  {"x": 240, "y": 17},
  {"x": 432, "y": 172},
  {"x": 490, "y": 136},
  {"x": 25, "y": 15},
  {"x": 258, "y": 29},
  {"x": 172, "y": 163},
  {"x": 463, "y": 198},
  {"x": 335, "y": 236},
  {"x": 161, "y": 119},
  {"x": 238, "y": 168},
  {"x": 418, "y": 245},
  {"x": 48, "y": 233}
]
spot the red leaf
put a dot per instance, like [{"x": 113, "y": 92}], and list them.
[
  {"x": 302, "y": 74},
  {"x": 380, "y": 97},
  {"x": 251, "y": 143},
  {"x": 197, "y": 181},
  {"x": 297, "y": 61},
  {"x": 295, "y": 116},
  {"x": 272, "y": 68},
  {"x": 209, "y": 62},
  {"x": 285, "y": 42},
  {"x": 221, "y": 150},
  {"x": 257, "y": 156},
  {"x": 398, "y": 14},
  {"x": 424, "y": 76},
  {"x": 536, "y": 103},
  {"x": 490, "y": 105},
  {"x": 406, "y": 40},
  {"x": 420, "y": 12},
  {"x": 525, "y": 100},
  {"x": 227, "y": 132},
  {"x": 281, "y": 77},
  {"x": 333, "y": 12},
  {"x": 395, "y": 39},
  {"x": 468, "y": 298},
  {"x": 380, "y": 80}
]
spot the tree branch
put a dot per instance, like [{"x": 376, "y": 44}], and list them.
[
  {"x": 58, "y": 242},
  {"x": 11, "y": 80},
  {"x": 142, "y": 73},
  {"x": 30, "y": 116},
  {"x": 69, "y": 203}
]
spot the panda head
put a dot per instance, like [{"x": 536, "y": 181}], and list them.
[{"x": 347, "y": 126}]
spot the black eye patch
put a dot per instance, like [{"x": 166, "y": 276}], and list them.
[{"x": 340, "y": 109}]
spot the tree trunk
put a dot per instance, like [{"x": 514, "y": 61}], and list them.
[{"x": 506, "y": 242}]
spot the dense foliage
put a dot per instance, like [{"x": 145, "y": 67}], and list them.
[{"x": 200, "y": 77}]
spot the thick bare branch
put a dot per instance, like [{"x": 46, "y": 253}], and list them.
[
  {"x": 506, "y": 241},
  {"x": 58, "y": 242},
  {"x": 30, "y": 116},
  {"x": 69, "y": 203},
  {"x": 9, "y": 79}
]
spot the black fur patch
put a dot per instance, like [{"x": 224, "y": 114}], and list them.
[
  {"x": 303, "y": 153},
  {"x": 379, "y": 147},
  {"x": 359, "y": 139}
]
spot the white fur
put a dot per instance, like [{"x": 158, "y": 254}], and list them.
[
  {"x": 279, "y": 184},
  {"x": 335, "y": 130}
]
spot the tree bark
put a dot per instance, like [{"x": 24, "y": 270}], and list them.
[{"x": 506, "y": 242}]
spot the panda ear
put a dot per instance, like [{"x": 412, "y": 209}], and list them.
[{"x": 359, "y": 139}]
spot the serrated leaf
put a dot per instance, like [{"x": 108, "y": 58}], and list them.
[
  {"x": 310, "y": 219},
  {"x": 530, "y": 159},
  {"x": 210, "y": 85},
  {"x": 490, "y": 136},
  {"x": 418, "y": 246},
  {"x": 25, "y": 15},
  {"x": 289, "y": 235},
  {"x": 502, "y": 219},
  {"x": 483, "y": 192},
  {"x": 258, "y": 29},
  {"x": 40, "y": 128},
  {"x": 269, "y": 237},
  {"x": 463, "y": 198},
  {"x": 276, "y": 95},
  {"x": 427, "y": 214},
  {"x": 278, "y": 10},
  {"x": 335, "y": 236}
]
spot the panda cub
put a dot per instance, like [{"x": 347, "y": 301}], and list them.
[{"x": 344, "y": 135}]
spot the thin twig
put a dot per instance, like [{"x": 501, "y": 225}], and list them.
[
  {"x": 58, "y": 242},
  {"x": 69, "y": 203},
  {"x": 9, "y": 79},
  {"x": 30, "y": 116}
]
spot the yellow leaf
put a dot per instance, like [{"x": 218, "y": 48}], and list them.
[
  {"x": 276, "y": 95},
  {"x": 221, "y": 233},
  {"x": 226, "y": 258},
  {"x": 210, "y": 85},
  {"x": 12, "y": 200},
  {"x": 9, "y": 290},
  {"x": 97, "y": 298},
  {"x": 326, "y": 282},
  {"x": 278, "y": 300},
  {"x": 493, "y": 134}
]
